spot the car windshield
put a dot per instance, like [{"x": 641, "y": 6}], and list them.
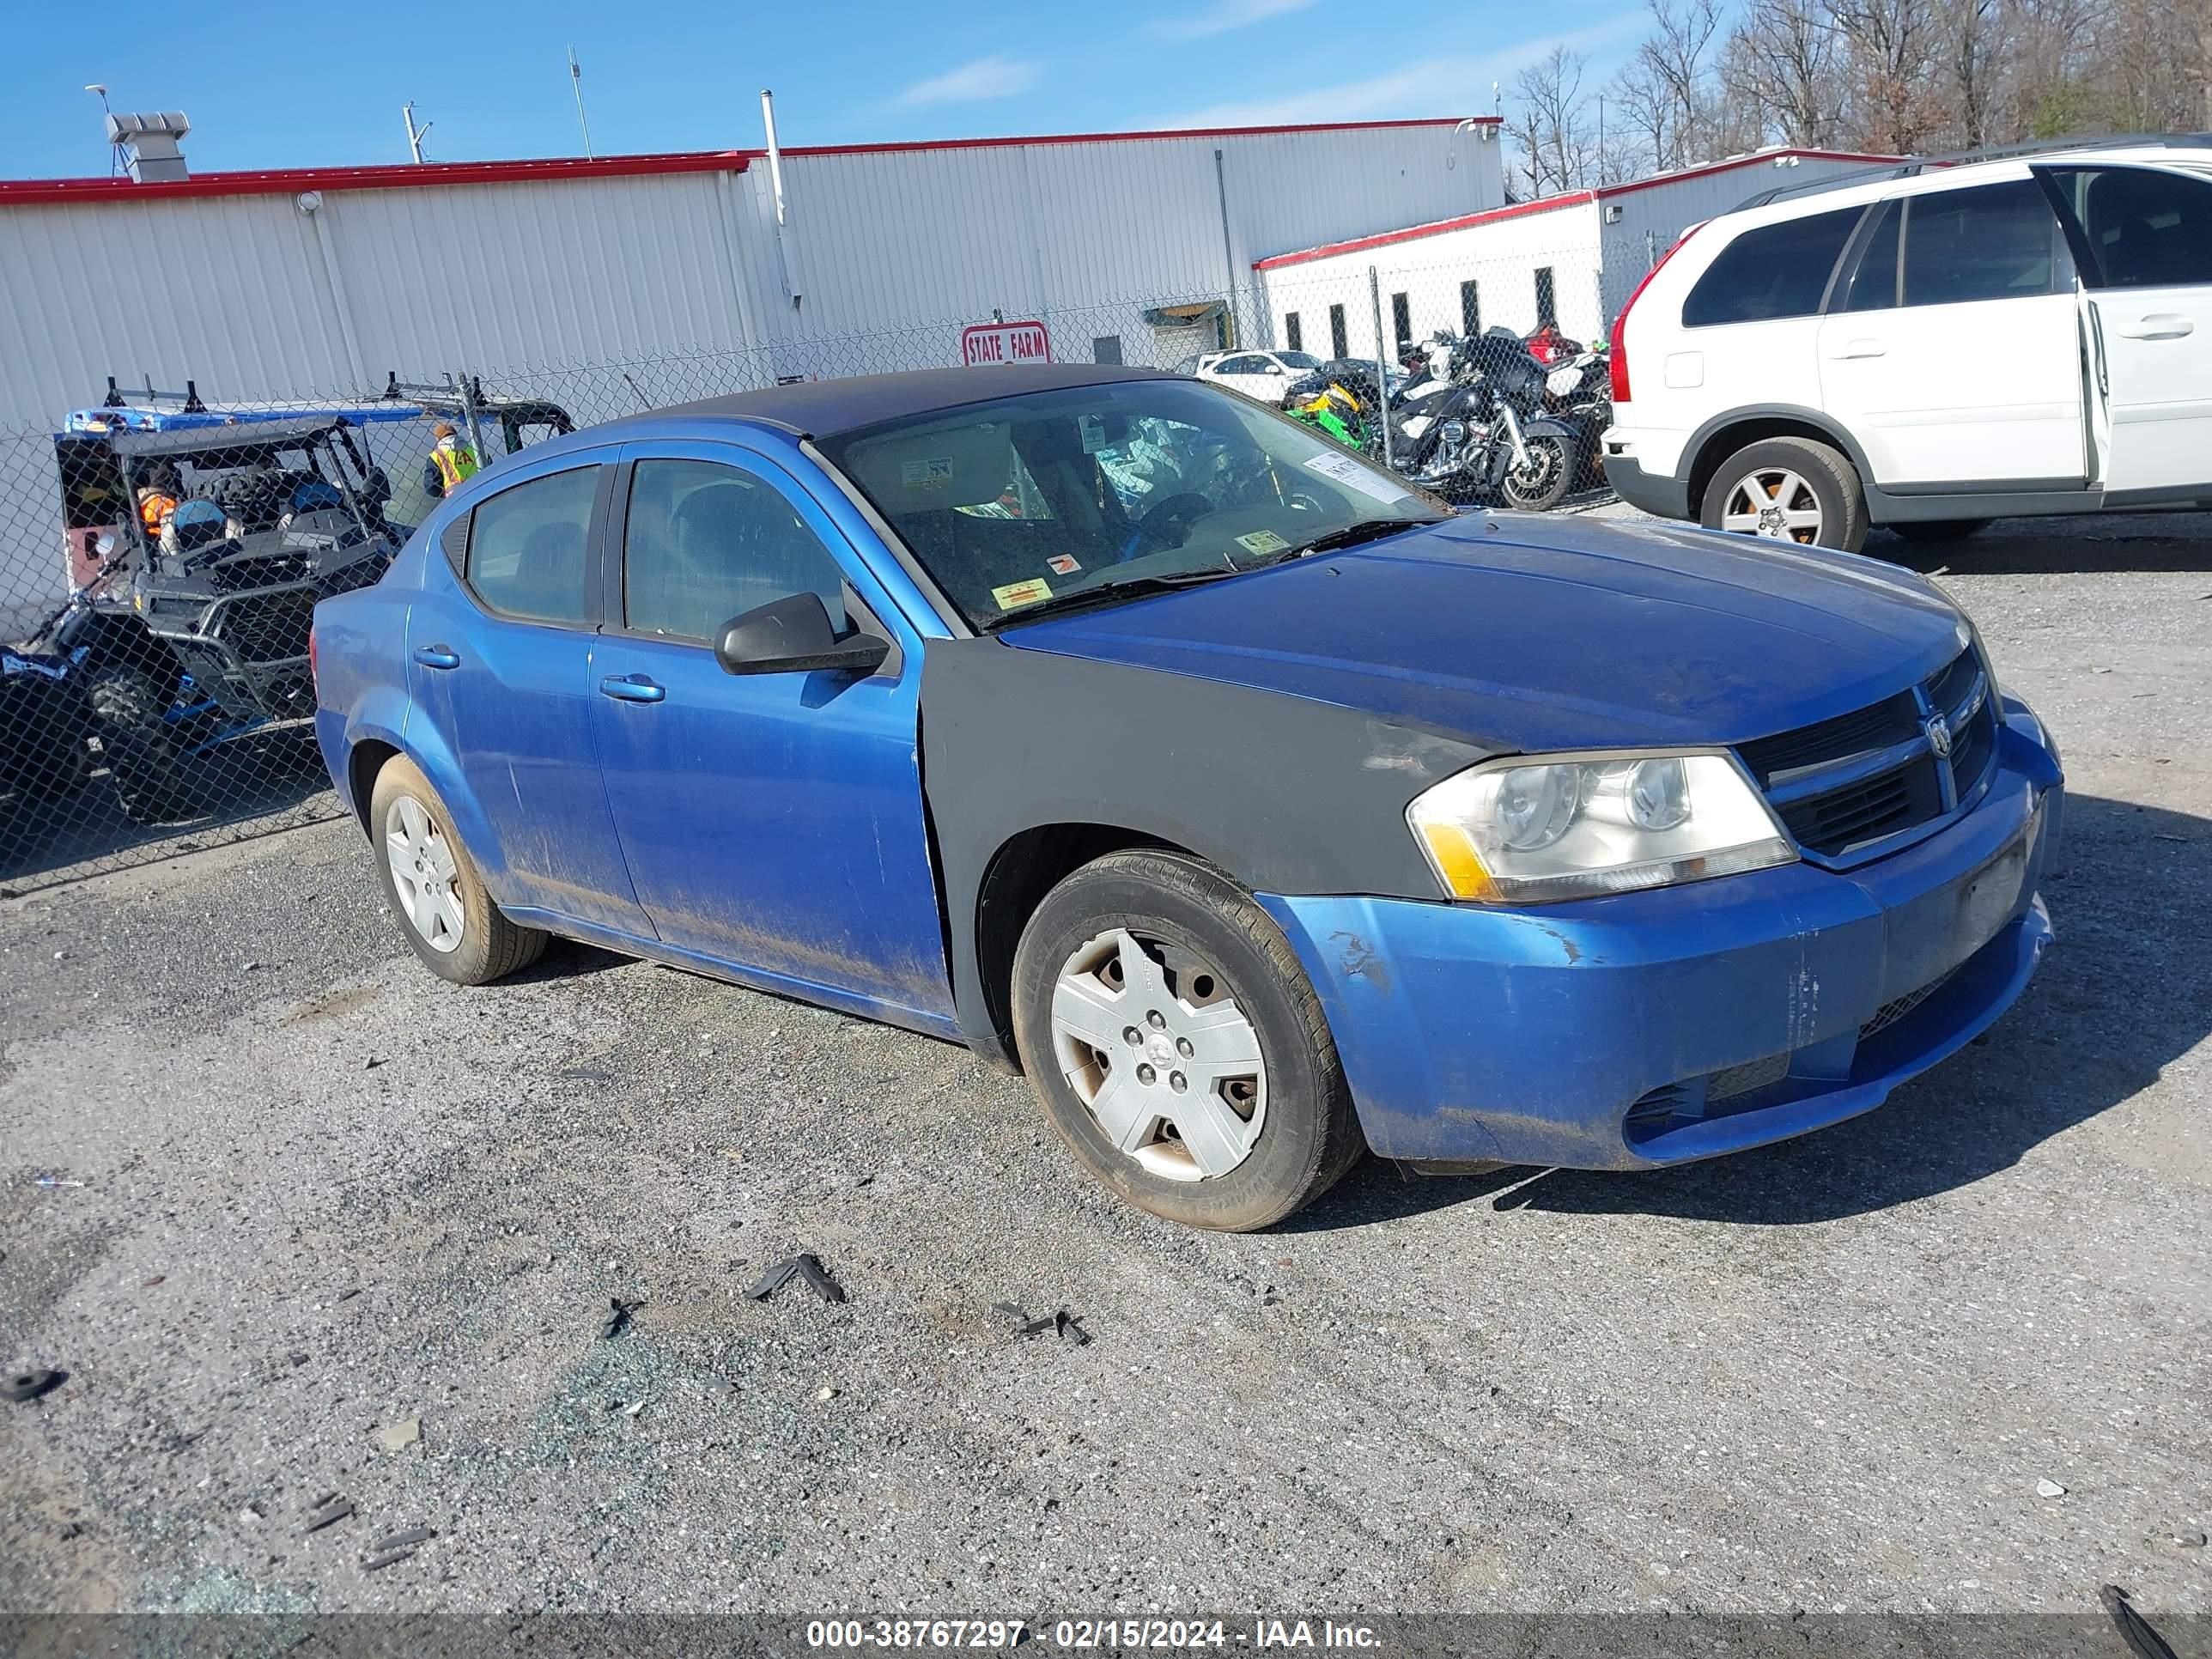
[{"x": 1036, "y": 501}]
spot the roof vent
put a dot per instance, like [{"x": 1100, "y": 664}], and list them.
[{"x": 150, "y": 146}]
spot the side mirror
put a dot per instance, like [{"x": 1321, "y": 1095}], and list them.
[{"x": 793, "y": 635}]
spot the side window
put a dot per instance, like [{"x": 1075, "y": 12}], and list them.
[
  {"x": 1872, "y": 284},
  {"x": 705, "y": 542},
  {"x": 526, "y": 547},
  {"x": 2145, "y": 228},
  {"x": 1470, "y": 309},
  {"x": 1402, "y": 321},
  {"x": 1244, "y": 365},
  {"x": 1293, "y": 333},
  {"x": 1547, "y": 300},
  {"x": 1992, "y": 242},
  {"x": 1337, "y": 345},
  {"x": 1772, "y": 271}
]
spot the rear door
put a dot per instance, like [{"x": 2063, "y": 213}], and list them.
[
  {"x": 2146, "y": 240},
  {"x": 499, "y": 651},
  {"x": 770, "y": 821},
  {"x": 1951, "y": 347}
]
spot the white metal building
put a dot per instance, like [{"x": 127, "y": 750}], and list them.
[
  {"x": 314, "y": 282},
  {"x": 1571, "y": 259}
]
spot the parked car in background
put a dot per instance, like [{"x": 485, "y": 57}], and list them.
[
  {"x": 1262, "y": 374},
  {"x": 1929, "y": 349},
  {"x": 1268, "y": 812}
]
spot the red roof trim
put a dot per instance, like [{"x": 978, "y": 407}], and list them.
[
  {"x": 1415, "y": 233},
  {"x": 278, "y": 181},
  {"x": 402, "y": 176},
  {"x": 1549, "y": 203}
]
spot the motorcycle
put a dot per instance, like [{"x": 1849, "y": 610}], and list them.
[{"x": 1337, "y": 399}]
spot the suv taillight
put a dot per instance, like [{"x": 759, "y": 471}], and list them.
[{"x": 1617, "y": 357}]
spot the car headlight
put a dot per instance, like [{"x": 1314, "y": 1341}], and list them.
[{"x": 1521, "y": 831}]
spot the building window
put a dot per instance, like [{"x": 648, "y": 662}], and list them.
[
  {"x": 1293, "y": 335},
  {"x": 1106, "y": 348},
  {"x": 1401, "y": 321},
  {"x": 1338, "y": 346},
  {"x": 1548, "y": 301},
  {"x": 1470, "y": 310}
]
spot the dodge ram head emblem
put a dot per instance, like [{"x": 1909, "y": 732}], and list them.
[{"x": 1939, "y": 736}]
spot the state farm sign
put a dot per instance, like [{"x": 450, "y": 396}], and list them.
[{"x": 1005, "y": 343}]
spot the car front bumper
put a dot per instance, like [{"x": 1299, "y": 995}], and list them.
[{"x": 1656, "y": 1027}]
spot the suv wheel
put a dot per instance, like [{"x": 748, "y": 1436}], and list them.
[
  {"x": 433, "y": 885},
  {"x": 1176, "y": 1045},
  {"x": 1787, "y": 489}
]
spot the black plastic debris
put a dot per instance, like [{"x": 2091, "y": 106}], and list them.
[
  {"x": 807, "y": 1266},
  {"x": 618, "y": 1319},
  {"x": 325, "y": 1510},
  {"x": 2134, "y": 1630},
  {"x": 1067, "y": 1327},
  {"x": 388, "y": 1552},
  {"x": 29, "y": 1385}
]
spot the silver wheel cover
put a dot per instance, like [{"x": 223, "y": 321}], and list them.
[
  {"x": 424, "y": 873},
  {"x": 1152, "y": 1043},
  {"x": 1774, "y": 502}
]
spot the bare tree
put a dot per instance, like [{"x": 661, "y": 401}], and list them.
[
  {"x": 1973, "y": 44},
  {"x": 1781, "y": 61},
  {"x": 1888, "y": 48},
  {"x": 1550, "y": 121}
]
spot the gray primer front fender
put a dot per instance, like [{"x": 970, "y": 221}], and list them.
[{"x": 1285, "y": 795}]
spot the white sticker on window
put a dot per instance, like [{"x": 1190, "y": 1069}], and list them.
[
  {"x": 1093, "y": 428},
  {"x": 1353, "y": 475},
  {"x": 936, "y": 469}
]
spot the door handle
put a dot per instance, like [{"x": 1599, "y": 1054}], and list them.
[
  {"x": 437, "y": 656},
  {"x": 1860, "y": 348},
  {"x": 631, "y": 687},
  {"x": 2159, "y": 326}
]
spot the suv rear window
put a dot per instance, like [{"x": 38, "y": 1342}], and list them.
[
  {"x": 1775, "y": 270},
  {"x": 1992, "y": 242}
]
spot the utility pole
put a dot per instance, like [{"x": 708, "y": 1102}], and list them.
[
  {"x": 415, "y": 134},
  {"x": 576, "y": 83}
]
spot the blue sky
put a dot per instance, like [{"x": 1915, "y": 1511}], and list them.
[{"x": 294, "y": 85}]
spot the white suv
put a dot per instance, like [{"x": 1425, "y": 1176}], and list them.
[{"x": 1929, "y": 351}]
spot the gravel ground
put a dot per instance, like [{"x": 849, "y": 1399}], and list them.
[{"x": 324, "y": 1194}]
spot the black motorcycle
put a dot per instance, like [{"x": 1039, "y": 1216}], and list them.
[{"x": 1489, "y": 439}]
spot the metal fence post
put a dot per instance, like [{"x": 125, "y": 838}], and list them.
[
  {"x": 469, "y": 414},
  {"x": 1382, "y": 373}
]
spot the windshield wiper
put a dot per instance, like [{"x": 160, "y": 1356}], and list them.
[
  {"x": 1358, "y": 530},
  {"x": 1129, "y": 587}
]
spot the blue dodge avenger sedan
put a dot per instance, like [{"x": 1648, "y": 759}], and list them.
[{"x": 1256, "y": 806}]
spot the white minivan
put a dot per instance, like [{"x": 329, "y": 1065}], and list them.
[{"x": 1929, "y": 351}]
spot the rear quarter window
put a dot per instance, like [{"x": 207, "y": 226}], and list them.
[{"x": 1771, "y": 271}]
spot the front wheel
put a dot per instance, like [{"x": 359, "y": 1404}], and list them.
[
  {"x": 1788, "y": 489},
  {"x": 434, "y": 887},
  {"x": 1541, "y": 482},
  {"x": 127, "y": 708},
  {"x": 1177, "y": 1047}
]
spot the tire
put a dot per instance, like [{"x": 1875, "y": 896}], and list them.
[
  {"x": 1937, "y": 530},
  {"x": 1826, "y": 505},
  {"x": 142, "y": 762},
  {"x": 484, "y": 945},
  {"x": 1279, "y": 1132},
  {"x": 1550, "y": 477}
]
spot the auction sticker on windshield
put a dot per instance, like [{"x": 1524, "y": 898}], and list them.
[
  {"x": 1063, "y": 564},
  {"x": 1014, "y": 595},
  {"x": 1353, "y": 475},
  {"x": 1262, "y": 541}
]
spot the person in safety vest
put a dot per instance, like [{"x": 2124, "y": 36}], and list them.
[{"x": 452, "y": 462}]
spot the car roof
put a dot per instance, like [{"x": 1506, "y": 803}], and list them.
[
  {"x": 1875, "y": 182},
  {"x": 825, "y": 409}
]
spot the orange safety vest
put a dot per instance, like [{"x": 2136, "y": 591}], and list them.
[{"x": 454, "y": 464}]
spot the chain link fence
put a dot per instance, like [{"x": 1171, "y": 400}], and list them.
[{"x": 161, "y": 552}]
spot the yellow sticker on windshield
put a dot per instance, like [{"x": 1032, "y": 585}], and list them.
[
  {"x": 1014, "y": 595},
  {"x": 1262, "y": 541}
]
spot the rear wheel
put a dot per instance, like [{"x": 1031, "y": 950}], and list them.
[
  {"x": 1176, "y": 1045},
  {"x": 1937, "y": 530},
  {"x": 434, "y": 887},
  {"x": 1787, "y": 489},
  {"x": 142, "y": 761}
]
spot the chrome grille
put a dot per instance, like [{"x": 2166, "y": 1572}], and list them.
[{"x": 1851, "y": 786}]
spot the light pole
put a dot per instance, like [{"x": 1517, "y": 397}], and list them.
[{"x": 114, "y": 149}]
